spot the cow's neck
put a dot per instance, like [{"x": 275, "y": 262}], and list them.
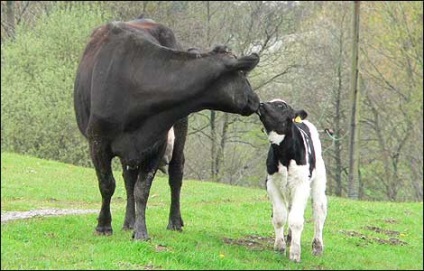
[
  {"x": 163, "y": 121},
  {"x": 179, "y": 78}
]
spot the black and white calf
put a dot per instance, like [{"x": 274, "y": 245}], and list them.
[{"x": 294, "y": 166}]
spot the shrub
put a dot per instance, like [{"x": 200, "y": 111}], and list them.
[{"x": 38, "y": 72}]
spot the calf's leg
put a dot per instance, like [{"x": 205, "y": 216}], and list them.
[
  {"x": 300, "y": 195},
  {"x": 319, "y": 207},
  {"x": 279, "y": 214}
]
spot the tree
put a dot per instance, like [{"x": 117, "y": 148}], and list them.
[
  {"x": 10, "y": 12},
  {"x": 353, "y": 143},
  {"x": 305, "y": 60},
  {"x": 322, "y": 83},
  {"x": 244, "y": 27},
  {"x": 393, "y": 73}
]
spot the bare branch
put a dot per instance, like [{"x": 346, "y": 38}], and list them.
[{"x": 276, "y": 76}]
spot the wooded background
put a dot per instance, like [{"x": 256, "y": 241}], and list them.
[{"x": 306, "y": 57}]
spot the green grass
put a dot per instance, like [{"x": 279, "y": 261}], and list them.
[{"x": 220, "y": 222}]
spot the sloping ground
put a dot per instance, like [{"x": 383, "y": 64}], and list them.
[{"x": 226, "y": 227}]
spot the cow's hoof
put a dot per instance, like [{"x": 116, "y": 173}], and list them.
[
  {"x": 140, "y": 236},
  {"x": 104, "y": 230},
  {"x": 128, "y": 226},
  {"x": 175, "y": 225},
  {"x": 317, "y": 247}
]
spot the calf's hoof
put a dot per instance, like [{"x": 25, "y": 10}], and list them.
[
  {"x": 295, "y": 253},
  {"x": 280, "y": 246},
  {"x": 317, "y": 247},
  {"x": 295, "y": 257}
]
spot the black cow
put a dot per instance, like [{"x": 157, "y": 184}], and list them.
[
  {"x": 294, "y": 165},
  {"x": 133, "y": 84}
]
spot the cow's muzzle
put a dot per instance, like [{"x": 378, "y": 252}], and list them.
[{"x": 260, "y": 109}]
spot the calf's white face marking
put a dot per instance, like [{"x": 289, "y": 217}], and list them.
[{"x": 275, "y": 138}]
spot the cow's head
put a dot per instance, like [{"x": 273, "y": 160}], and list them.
[
  {"x": 278, "y": 117},
  {"x": 231, "y": 91}
]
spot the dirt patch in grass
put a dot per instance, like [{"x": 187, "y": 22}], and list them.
[
  {"x": 130, "y": 266},
  {"x": 380, "y": 230},
  {"x": 253, "y": 242},
  {"x": 390, "y": 220},
  {"x": 392, "y": 240}
]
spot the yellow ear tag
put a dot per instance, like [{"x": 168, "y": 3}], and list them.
[{"x": 298, "y": 119}]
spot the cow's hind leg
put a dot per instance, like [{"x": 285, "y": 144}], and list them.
[
  {"x": 102, "y": 157},
  {"x": 319, "y": 207},
  {"x": 175, "y": 183},
  {"x": 130, "y": 177},
  {"x": 141, "y": 195},
  {"x": 176, "y": 170}
]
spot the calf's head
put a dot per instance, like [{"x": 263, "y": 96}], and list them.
[
  {"x": 278, "y": 117},
  {"x": 231, "y": 92}
]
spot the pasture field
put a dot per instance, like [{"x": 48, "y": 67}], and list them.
[{"x": 226, "y": 227}]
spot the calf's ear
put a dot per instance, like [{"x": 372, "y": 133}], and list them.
[
  {"x": 245, "y": 63},
  {"x": 301, "y": 113}
]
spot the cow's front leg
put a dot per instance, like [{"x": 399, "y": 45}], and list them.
[
  {"x": 101, "y": 158},
  {"x": 279, "y": 213},
  {"x": 130, "y": 177}
]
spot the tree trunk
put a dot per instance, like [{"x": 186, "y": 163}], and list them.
[
  {"x": 145, "y": 3},
  {"x": 212, "y": 113},
  {"x": 353, "y": 144},
  {"x": 213, "y": 144},
  {"x": 10, "y": 16},
  {"x": 337, "y": 123},
  {"x": 220, "y": 153}
]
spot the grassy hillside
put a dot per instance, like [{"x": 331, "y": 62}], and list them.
[{"x": 226, "y": 227}]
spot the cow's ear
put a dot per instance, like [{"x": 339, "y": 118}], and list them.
[
  {"x": 301, "y": 113},
  {"x": 245, "y": 63}
]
